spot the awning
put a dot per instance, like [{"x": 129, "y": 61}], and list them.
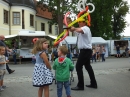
[
  {"x": 31, "y": 33},
  {"x": 70, "y": 40},
  {"x": 10, "y": 36},
  {"x": 53, "y": 37},
  {"x": 73, "y": 40},
  {"x": 98, "y": 40}
]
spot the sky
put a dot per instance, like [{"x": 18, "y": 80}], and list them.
[{"x": 127, "y": 29}]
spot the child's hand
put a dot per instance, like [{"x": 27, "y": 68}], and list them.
[{"x": 7, "y": 61}]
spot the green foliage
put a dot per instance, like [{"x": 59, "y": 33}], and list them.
[
  {"x": 108, "y": 19},
  {"x": 120, "y": 9},
  {"x": 8, "y": 43}
]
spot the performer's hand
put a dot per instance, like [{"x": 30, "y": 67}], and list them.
[{"x": 72, "y": 29}]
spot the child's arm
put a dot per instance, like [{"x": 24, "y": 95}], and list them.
[
  {"x": 71, "y": 65},
  {"x": 44, "y": 57},
  {"x": 2, "y": 63}
]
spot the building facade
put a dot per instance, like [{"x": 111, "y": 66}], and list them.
[{"x": 18, "y": 15}]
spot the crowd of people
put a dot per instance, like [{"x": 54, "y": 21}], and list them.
[{"x": 98, "y": 53}]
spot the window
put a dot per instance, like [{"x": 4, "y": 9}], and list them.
[
  {"x": 16, "y": 18},
  {"x": 42, "y": 26},
  {"x": 122, "y": 43},
  {"x": 56, "y": 30},
  {"x": 50, "y": 28},
  {"x": 5, "y": 16},
  {"x": 31, "y": 20}
]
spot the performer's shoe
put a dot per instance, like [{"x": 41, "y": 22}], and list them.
[
  {"x": 92, "y": 86},
  {"x": 77, "y": 88}
]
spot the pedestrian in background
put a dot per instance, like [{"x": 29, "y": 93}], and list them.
[
  {"x": 93, "y": 54},
  {"x": 55, "y": 53},
  {"x": 127, "y": 51},
  {"x": 103, "y": 54},
  {"x": 118, "y": 51},
  {"x": 14, "y": 54},
  {"x": 69, "y": 55},
  {"x": 98, "y": 52}
]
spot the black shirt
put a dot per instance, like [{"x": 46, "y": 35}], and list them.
[{"x": 118, "y": 48}]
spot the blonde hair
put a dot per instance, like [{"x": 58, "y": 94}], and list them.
[
  {"x": 38, "y": 46},
  {"x": 63, "y": 49}
]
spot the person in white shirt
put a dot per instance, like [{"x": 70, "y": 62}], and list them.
[{"x": 85, "y": 46}]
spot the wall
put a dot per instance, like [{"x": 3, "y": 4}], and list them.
[
  {"x": 4, "y": 28},
  {"x": 40, "y": 20},
  {"x": 27, "y": 11}
]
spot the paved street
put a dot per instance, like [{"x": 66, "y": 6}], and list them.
[{"x": 112, "y": 76}]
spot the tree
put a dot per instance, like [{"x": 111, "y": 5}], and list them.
[
  {"x": 101, "y": 18},
  {"x": 108, "y": 19},
  {"x": 58, "y": 9},
  {"x": 120, "y": 9}
]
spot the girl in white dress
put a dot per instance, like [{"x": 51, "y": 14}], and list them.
[{"x": 42, "y": 75}]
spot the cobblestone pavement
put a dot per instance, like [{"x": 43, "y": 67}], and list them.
[
  {"x": 97, "y": 72},
  {"x": 113, "y": 77}
]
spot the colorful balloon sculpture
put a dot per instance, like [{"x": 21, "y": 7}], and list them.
[{"x": 84, "y": 12}]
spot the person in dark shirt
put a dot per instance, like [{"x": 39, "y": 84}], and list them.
[
  {"x": 2, "y": 38},
  {"x": 55, "y": 53},
  {"x": 118, "y": 51},
  {"x": 127, "y": 51},
  {"x": 69, "y": 55}
]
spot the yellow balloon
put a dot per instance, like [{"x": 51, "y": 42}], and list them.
[{"x": 71, "y": 24}]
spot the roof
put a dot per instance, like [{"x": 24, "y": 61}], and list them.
[
  {"x": 27, "y": 3},
  {"x": 8, "y": 1},
  {"x": 43, "y": 13}
]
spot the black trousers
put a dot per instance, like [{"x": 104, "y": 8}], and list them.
[
  {"x": 8, "y": 69},
  {"x": 84, "y": 59}
]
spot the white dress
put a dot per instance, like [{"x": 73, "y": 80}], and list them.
[{"x": 41, "y": 75}]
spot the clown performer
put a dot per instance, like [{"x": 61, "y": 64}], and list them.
[{"x": 84, "y": 43}]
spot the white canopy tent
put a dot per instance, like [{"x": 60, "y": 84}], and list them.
[
  {"x": 27, "y": 33},
  {"x": 10, "y": 36},
  {"x": 95, "y": 40},
  {"x": 31, "y": 33},
  {"x": 73, "y": 40},
  {"x": 98, "y": 40},
  {"x": 53, "y": 37}
]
